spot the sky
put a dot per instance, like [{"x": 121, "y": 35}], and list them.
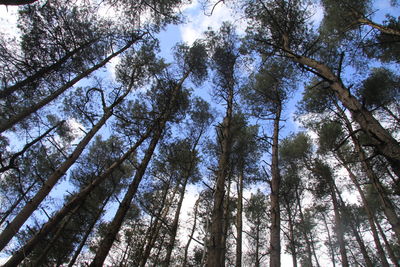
[{"x": 197, "y": 22}]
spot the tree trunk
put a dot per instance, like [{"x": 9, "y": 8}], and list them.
[
  {"x": 191, "y": 233},
  {"x": 156, "y": 226},
  {"x": 239, "y": 220},
  {"x": 35, "y": 107},
  {"x": 87, "y": 233},
  {"x": 305, "y": 234},
  {"x": 293, "y": 251},
  {"x": 24, "y": 251},
  {"x": 370, "y": 216},
  {"x": 331, "y": 249},
  {"x": 388, "y": 247},
  {"x": 338, "y": 223},
  {"x": 386, "y": 145},
  {"x": 13, "y": 227},
  {"x": 215, "y": 255},
  {"x": 123, "y": 208},
  {"x": 43, "y": 71},
  {"x": 275, "y": 237}
]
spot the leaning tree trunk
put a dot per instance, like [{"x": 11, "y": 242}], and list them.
[
  {"x": 44, "y": 71},
  {"x": 123, "y": 208},
  {"x": 386, "y": 145},
  {"x": 175, "y": 223},
  {"x": 125, "y": 205},
  {"x": 25, "y": 250},
  {"x": 196, "y": 205},
  {"x": 338, "y": 223},
  {"x": 5, "y": 125},
  {"x": 14, "y": 226},
  {"x": 87, "y": 233},
  {"x": 275, "y": 237}
]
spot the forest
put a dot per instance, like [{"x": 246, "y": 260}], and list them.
[{"x": 116, "y": 153}]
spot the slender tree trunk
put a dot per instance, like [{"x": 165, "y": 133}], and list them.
[
  {"x": 215, "y": 255},
  {"x": 56, "y": 236},
  {"x": 363, "y": 249},
  {"x": 293, "y": 251},
  {"x": 14, "y": 226},
  {"x": 388, "y": 247},
  {"x": 44, "y": 71},
  {"x": 157, "y": 224},
  {"x": 386, "y": 145},
  {"x": 16, "y": 203},
  {"x": 338, "y": 223},
  {"x": 332, "y": 251},
  {"x": 25, "y": 250},
  {"x": 227, "y": 217},
  {"x": 370, "y": 215},
  {"x": 305, "y": 235},
  {"x": 35, "y": 107},
  {"x": 87, "y": 233},
  {"x": 386, "y": 203},
  {"x": 123, "y": 208},
  {"x": 191, "y": 232},
  {"x": 275, "y": 237},
  {"x": 239, "y": 220}
]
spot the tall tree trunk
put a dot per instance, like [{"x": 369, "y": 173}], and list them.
[
  {"x": 35, "y": 107},
  {"x": 331, "y": 249},
  {"x": 215, "y": 255},
  {"x": 175, "y": 223},
  {"x": 44, "y": 71},
  {"x": 395, "y": 260},
  {"x": 338, "y": 223},
  {"x": 227, "y": 217},
  {"x": 239, "y": 219},
  {"x": 56, "y": 236},
  {"x": 14, "y": 226},
  {"x": 386, "y": 145},
  {"x": 386, "y": 203},
  {"x": 196, "y": 205},
  {"x": 25, "y": 250},
  {"x": 275, "y": 237},
  {"x": 123, "y": 208},
  {"x": 87, "y": 233},
  {"x": 370, "y": 215},
  {"x": 155, "y": 228},
  {"x": 304, "y": 233},
  {"x": 293, "y": 251}
]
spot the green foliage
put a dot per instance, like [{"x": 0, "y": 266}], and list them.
[
  {"x": 381, "y": 88},
  {"x": 318, "y": 97},
  {"x": 330, "y": 136}
]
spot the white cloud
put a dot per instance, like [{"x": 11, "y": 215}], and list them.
[{"x": 199, "y": 21}]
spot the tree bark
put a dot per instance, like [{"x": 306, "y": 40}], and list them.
[
  {"x": 14, "y": 226},
  {"x": 35, "y": 107},
  {"x": 379, "y": 27},
  {"x": 43, "y": 71},
  {"x": 87, "y": 234},
  {"x": 123, "y": 208},
  {"x": 239, "y": 220},
  {"x": 275, "y": 237},
  {"x": 25, "y": 250},
  {"x": 215, "y": 255},
  {"x": 191, "y": 233},
  {"x": 386, "y": 145},
  {"x": 16, "y": 2}
]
